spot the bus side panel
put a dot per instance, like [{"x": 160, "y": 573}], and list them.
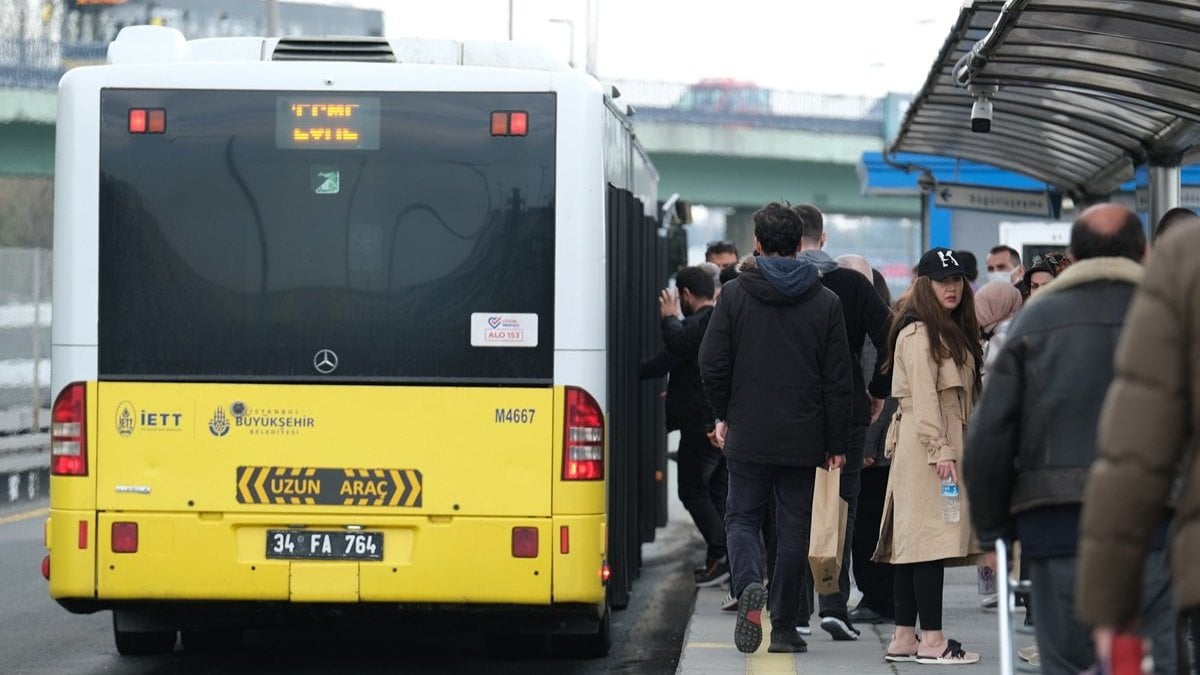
[
  {"x": 579, "y": 558},
  {"x": 72, "y": 541}
]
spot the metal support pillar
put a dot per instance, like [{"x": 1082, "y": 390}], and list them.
[{"x": 1164, "y": 191}]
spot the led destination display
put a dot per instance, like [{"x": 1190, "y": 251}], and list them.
[{"x": 327, "y": 122}]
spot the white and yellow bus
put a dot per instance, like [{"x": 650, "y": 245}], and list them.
[{"x": 349, "y": 324}]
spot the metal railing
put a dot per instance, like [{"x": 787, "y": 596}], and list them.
[{"x": 24, "y": 339}]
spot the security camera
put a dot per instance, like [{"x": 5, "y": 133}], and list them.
[{"x": 981, "y": 115}]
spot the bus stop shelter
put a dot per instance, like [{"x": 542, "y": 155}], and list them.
[{"x": 1082, "y": 93}]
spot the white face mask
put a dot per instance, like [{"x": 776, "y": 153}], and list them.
[{"x": 1000, "y": 275}]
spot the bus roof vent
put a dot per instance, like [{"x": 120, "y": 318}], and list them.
[{"x": 375, "y": 50}]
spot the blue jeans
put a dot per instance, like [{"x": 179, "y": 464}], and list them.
[{"x": 750, "y": 487}]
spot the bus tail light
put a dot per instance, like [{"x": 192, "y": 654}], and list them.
[
  {"x": 124, "y": 537},
  {"x": 68, "y": 432},
  {"x": 524, "y": 542},
  {"x": 583, "y": 437}
]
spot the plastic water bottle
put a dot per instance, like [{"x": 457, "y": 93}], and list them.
[{"x": 950, "y": 501}]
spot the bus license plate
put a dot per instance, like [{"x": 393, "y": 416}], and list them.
[{"x": 325, "y": 544}]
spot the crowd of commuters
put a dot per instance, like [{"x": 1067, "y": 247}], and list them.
[{"x": 1050, "y": 405}]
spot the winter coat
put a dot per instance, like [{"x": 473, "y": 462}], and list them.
[
  {"x": 687, "y": 404},
  {"x": 1033, "y": 437},
  {"x": 866, "y": 317},
  {"x": 935, "y": 396},
  {"x": 776, "y": 365},
  {"x": 1146, "y": 433}
]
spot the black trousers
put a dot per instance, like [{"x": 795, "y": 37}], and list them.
[
  {"x": 919, "y": 594},
  {"x": 751, "y": 487},
  {"x": 875, "y": 580},
  {"x": 703, "y": 486}
]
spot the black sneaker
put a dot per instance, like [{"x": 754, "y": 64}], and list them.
[
  {"x": 715, "y": 575},
  {"x": 786, "y": 642},
  {"x": 747, "y": 633},
  {"x": 841, "y": 630},
  {"x": 863, "y": 614}
]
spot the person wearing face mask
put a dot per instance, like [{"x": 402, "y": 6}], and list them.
[
  {"x": 1004, "y": 264},
  {"x": 995, "y": 306}
]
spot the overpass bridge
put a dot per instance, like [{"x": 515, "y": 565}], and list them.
[{"x": 795, "y": 146}]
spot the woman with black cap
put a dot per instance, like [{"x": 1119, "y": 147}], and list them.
[{"x": 933, "y": 356}]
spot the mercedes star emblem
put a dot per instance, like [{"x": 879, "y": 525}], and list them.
[{"x": 325, "y": 361}]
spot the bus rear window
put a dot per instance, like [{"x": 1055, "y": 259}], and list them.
[{"x": 371, "y": 237}]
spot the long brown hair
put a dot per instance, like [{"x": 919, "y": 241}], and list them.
[{"x": 952, "y": 335}]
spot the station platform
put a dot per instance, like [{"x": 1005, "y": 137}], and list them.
[
  {"x": 708, "y": 647},
  {"x": 708, "y": 644}
]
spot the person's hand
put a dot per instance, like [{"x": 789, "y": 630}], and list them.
[
  {"x": 946, "y": 470},
  {"x": 712, "y": 438},
  {"x": 1102, "y": 637},
  {"x": 876, "y": 408},
  {"x": 668, "y": 303},
  {"x": 835, "y": 461},
  {"x": 718, "y": 434},
  {"x": 868, "y": 462}
]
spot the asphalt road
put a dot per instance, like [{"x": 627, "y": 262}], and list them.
[{"x": 39, "y": 637}]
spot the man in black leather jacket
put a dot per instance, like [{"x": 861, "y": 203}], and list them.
[{"x": 1033, "y": 435}]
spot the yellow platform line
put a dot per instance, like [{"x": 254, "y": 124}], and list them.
[
  {"x": 762, "y": 661},
  {"x": 24, "y": 515}
]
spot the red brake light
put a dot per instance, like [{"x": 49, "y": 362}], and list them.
[
  {"x": 137, "y": 121},
  {"x": 524, "y": 542},
  {"x": 499, "y": 124},
  {"x": 156, "y": 121},
  {"x": 518, "y": 124},
  {"x": 583, "y": 437},
  {"x": 68, "y": 432},
  {"x": 124, "y": 537}
]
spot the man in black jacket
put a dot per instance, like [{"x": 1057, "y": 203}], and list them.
[
  {"x": 776, "y": 366},
  {"x": 703, "y": 480},
  {"x": 866, "y": 315},
  {"x": 1033, "y": 436}
]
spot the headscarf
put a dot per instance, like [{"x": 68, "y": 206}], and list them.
[{"x": 995, "y": 303}]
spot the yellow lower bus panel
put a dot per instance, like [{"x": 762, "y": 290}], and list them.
[
  {"x": 71, "y": 539},
  {"x": 425, "y": 560}
]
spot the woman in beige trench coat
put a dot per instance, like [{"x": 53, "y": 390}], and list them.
[{"x": 933, "y": 358}]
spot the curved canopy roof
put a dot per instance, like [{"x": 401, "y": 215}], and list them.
[{"x": 1083, "y": 90}]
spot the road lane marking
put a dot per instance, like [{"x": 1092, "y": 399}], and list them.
[{"x": 25, "y": 515}]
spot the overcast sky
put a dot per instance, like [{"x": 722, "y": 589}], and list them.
[{"x": 866, "y": 47}]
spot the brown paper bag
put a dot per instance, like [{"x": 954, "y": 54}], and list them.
[{"x": 828, "y": 535}]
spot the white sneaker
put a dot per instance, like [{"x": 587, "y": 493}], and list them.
[
  {"x": 729, "y": 603},
  {"x": 804, "y": 630}
]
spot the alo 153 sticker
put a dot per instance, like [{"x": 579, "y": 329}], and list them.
[{"x": 498, "y": 329}]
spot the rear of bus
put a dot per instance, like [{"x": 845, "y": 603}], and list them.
[{"x": 305, "y": 350}]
